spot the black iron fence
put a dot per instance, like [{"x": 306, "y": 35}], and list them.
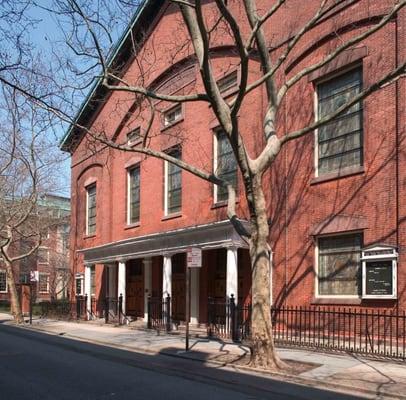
[
  {"x": 113, "y": 310},
  {"x": 65, "y": 309},
  {"x": 367, "y": 331},
  {"x": 159, "y": 313}
]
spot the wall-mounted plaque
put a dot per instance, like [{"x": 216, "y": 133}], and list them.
[{"x": 379, "y": 272}]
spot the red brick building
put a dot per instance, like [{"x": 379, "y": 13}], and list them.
[
  {"x": 134, "y": 217},
  {"x": 51, "y": 260}
]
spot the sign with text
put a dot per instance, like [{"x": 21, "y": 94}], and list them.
[
  {"x": 194, "y": 257},
  {"x": 379, "y": 278}
]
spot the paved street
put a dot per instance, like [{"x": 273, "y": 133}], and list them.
[{"x": 39, "y": 366}]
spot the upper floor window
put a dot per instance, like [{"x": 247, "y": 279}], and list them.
[
  {"x": 91, "y": 210},
  {"x": 173, "y": 184},
  {"x": 229, "y": 81},
  {"x": 3, "y": 281},
  {"x": 134, "y": 137},
  {"x": 339, "y": 266},
  {"x": 225, "y": 165},
  {"x": 133, "y": 205},
  {"x": 43, "y": 255},
  {"x": 43, "y": 283},
  {"x": 339, "y": 142},
  {"x": 172, "y": 115}
]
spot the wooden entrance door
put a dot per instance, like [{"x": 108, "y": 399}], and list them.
[
  {"x": 135, "y": 288},
  {"x": 179, "y": 287}
]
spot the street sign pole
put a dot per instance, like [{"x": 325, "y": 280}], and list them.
[{"x": 30, "y": 303}]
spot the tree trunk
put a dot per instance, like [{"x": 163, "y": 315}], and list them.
[
  {"x": 263, "y": 349},
  {"x": 15, "y": 305}
]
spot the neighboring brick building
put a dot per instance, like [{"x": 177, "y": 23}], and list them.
[
  {"x": 133, "y": 217},
  {"x": 52, "y": 258}
]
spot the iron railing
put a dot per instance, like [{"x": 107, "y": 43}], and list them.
[
  {"x": 65, "y": 309},
  {"x": 159, "y": 313},
  {"x": 378, "y": 332}
]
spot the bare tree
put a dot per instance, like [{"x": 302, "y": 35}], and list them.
[
  {"x": 202, "y": 24},
  {"x": 25, "y": 173}
]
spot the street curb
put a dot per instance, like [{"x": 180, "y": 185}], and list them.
[{"x": 314, "y": 383}]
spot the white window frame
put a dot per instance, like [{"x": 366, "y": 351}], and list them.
[
  {"x": 316, "y": 268},
  {"x": 179, "y": 117},
  {"x": 47, "y": 255},
  {"x": 215, "y": 164},
  {"x": 136, "y": 131},
  {"x": 129, "y": 170},
  {"x": 316, "y": 116},
  {"x": 5, "y": 274},
  {"x": 81, "y": 278},
  {"x": 166, "y": 193},
  {"x": 87, "y": 207},
  {"x": 39, "y": 279}
]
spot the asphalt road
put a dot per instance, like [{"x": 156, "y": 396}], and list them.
[{"x": 40, "y": 366}]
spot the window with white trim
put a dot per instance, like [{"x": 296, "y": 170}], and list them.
[
  {"x": 173, "y": 184},
  {"x": 339, "y": 142},
  {"x": 225, "y": 165},
  {"x": 172, "y": 115},
  {"x": 91, "y": 210},
  {"x": 79, "y": 284},
  {"x": 228, "y": 82},
  {"x": 43, "y": 282},
  {"x": 3, "y": 281},
  {"x": 339, "y": 265},
  {"x": 133, "y": 195},
  {"x": 134, "y": 137},
  {"x": 43, "y": 255}
]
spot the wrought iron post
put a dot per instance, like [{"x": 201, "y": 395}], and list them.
[
  {"x": 106, "y": 310},
  {"x": 77, "y": 307},
  {"x": 233, "y": 319},
  {"x": 120, "y": 308},
  {"x": 87, "y": 314},
  {"x": 149, "y": 308},
  {"x": 168, "y": 313}
]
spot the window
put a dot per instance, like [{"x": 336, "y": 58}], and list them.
[
  {"x": 91, "y": 210},
  {"x": 173, "y": 184},
  {"x": 172, "y": 115},
  {"x": 79, "y": 284},
  {"x": 228, "y": 82},
  {"x": 43, "y": 255},
  {"x": 339, "y": 266},
  {"x": 225, "y": 165},
  {"x": 3, "y": 281},
  {"x": 339, "y": 143},
  {"x": 43, "y": 283},
  {"x": 133, "y": 204},
  {"x": 134, "y": 137},
  {"x": 92, "y": 280}
]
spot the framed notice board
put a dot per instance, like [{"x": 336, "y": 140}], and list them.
[{"x": 379, "y": 272}]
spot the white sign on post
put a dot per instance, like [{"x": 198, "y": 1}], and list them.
[
  {"x": 34, "y": 276},
  {"x": 194, "y": 257}
]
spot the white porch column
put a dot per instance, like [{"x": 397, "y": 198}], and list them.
[
  {"x": 147, "y": 284},
  {"x": 167, "y": 277},
  {"x": 194, "y": 295},
  {"x": 88, "y": 287},
  {"x": 232, "y": 273},
  {"x": 122, "y": 282}
]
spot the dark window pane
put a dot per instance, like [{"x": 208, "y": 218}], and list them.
[
  {"x": 339, "y": 265},
  {"x": 340, "y": 141}
]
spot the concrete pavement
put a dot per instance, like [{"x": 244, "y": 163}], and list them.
[{"x": 371, "y": 379}]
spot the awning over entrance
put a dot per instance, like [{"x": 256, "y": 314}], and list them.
[{"x": 214, "y": 235}]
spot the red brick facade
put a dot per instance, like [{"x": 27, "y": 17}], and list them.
[{"x": 302, "y": 207}]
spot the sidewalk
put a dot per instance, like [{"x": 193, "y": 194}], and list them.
[{"x": 367, "y": 378}]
